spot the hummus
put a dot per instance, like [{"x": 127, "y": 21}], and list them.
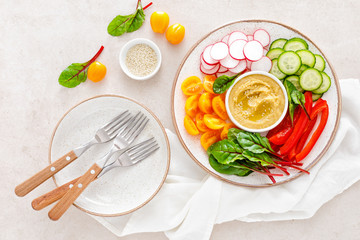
[{"x": 256, "y": 101}]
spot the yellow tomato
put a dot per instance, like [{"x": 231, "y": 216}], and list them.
[
  {"x": 175, "y": 33},
  {"x": 190, "y": 126},
  {"x": 209, "y": 138},
  {"x": 96, "y": 71},
  {"x": 159, "y": 21}
]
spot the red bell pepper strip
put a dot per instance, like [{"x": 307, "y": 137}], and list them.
[
  {"x": 305, "y": 136},
  {"x": 319, "y": 107},
  {"x": 324, "y": 117},
  {"x": 299, "y": 126},
  {"x": 283, "y": 131}
]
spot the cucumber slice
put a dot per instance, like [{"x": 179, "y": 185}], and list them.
[
  {"x": 289, "y": 62},
  {"x": 307, "y": 57},
  {"x": 301, "y": 70},
  {"x": 274, "y": 53},
  {"x": 319, "y": 63},
  {"x": 295, "y": 44},
  {"x": 326, "y": 83},
  {"x": 275, "y": 70},
  {"x": 295, "y": 81},
  {"x": 278, "y": 43},
  {"x": 310, "y": 79},
  {"x": 316, "y": 97}
]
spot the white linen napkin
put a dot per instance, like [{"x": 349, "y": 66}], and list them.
[{"x": 191, "y": 201}]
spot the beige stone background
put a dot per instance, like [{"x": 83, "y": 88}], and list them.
[{"x": 38, "y": 39}]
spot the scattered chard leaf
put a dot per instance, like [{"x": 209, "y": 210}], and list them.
[
  {"x": 76, "y": 73},
  {"x": 128, "y": 23}
]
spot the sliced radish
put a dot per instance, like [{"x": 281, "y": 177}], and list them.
[
  {"x": 222, "y": 69},
  {"x": 239, "y": 68},
  {"x": 250, "y": 37},
  {"x": 236, "y": 49},
  {"x": 265, "y": 52},
  {"x": 264, "y": 64},
  {"x": 209, "y": 71},
  {"x": 204, "y": 64},
  {"x": 248, "y": 64},
  {"x": 262, "y": 36},
  {"x": 206, "y": 56},
  {"x": 253, "y": 50},
  {"x": 225, "y": 39},
  {"x": 229, "y": 62},
  {"x": 236, "y": 36},
  {"x": 219, "y": 50}
]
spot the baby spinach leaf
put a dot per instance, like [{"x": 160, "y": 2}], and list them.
[
  {"x": 129, "y": 23},
  {"x": 226, "y": 151},
  {"x": 254, "y": 142},
  {"x": 76, "y": 73},
  {"x": 223, "y": 83},
  {"x": 228, "y": 169}
]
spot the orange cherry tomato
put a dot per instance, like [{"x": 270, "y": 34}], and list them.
[
  {"x": 213, "y": 122},
  {"x": 199, "y": 120},
  {"x": 159, "y": 21},
  {"x": 205, "y": 102},
  {"x": 175, "y": 33},
  {"x": 96, "y": 71},
  {"x": 208, "y": 83},
  {"x": 191, "y": 105},
  {"x": 225, "y": 130},
  {"x": 191, "y": 86},
  {"x": 218, "y": 105},
  {"x": 190, "y": 126},
  {"x": 209, "y": 138}
]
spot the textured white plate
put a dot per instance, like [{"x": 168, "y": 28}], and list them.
[
  {"x": 190, "y": 67},
  {"x": 121, "y": 190}
]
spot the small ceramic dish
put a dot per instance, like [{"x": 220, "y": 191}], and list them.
[
  {"x": 128, "y": 46},
  {"x": 232, "y": 118}
]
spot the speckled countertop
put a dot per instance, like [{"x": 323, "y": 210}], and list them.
[{"x": 39, "y": 39}]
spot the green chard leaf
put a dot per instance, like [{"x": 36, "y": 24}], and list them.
[
  {"x": 228, "y": 169},
  {"x": 263, "y": 158},
  {"x": 226, "y": 151},
  {"x": 223, "y": 83},
  {"x": 232, "y": 134},
  {"x": 295, "y": 98},
  {"x": 254, "y": 142},
  {"x": 129, "y": 23},
  {"x": 76, "y": 73}
]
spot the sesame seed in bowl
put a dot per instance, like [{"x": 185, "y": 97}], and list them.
[{"x": 140, "y": 59}]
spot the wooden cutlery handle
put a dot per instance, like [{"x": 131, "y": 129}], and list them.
[
  {"x": 65, "y": 202},
  {"x": 52, "y": 196},
  {"x": 40, "y": 177}
]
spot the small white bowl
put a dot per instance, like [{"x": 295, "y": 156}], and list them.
[
  {"x": 262, "y": 129},
  {"x": 130, "y": 44}
]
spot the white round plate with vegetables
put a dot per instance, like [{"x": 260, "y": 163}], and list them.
[{"x": 251, "y": 159}]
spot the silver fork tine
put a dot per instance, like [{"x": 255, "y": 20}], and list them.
[
  {"x": 121, "y": 124},
  {"x": 147, "y": 154},
  {"x": 115, "y": 118},
  {"x": 117, "y": 122},
  {"x": 143, "y": 150},
  {"x": 136, "y": 130},
  {"x": 136, "y": 125},
  {"x": 133, "y": 148},
  {"x": 129, "y": 127}
]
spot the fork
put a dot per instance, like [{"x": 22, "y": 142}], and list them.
[
  {"x": 102, "y": 135},
  {"x": 126, "y": 157}
]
